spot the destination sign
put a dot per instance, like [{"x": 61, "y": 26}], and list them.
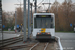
[{"x": 43, "y": 16}]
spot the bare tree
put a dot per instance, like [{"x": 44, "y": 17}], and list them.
[{"x": 54, "y": 9}]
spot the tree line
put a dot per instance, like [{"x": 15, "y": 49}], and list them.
[{"x": 64, "y": 15}]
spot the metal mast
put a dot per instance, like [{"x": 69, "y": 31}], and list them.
[
  {"x": 28, "y": 19},
  {"x": 31, "y": 17},
  {"x": 24, "y": 21},
  {"x": 49, "y": 6},
  {"x": 1, "y": 22},
  {"x": 35, "y": 6},
  {"x": 15, "y": 19}
]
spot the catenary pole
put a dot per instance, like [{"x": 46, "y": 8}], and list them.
[
  {"x": 35, "y": 6},
  {"x": 28, "y": 19},
  {"x": 15, "y": 19},
  {"x": 31, "y": 17},
  {"x": 49, "y": 6},
  {"x": 24, "y": 21}
]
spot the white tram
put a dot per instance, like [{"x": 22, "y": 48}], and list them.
[{"x": 43, "y": 26}]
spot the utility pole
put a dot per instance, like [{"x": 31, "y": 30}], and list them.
[
  {"x": 49, "y": 6},
  {"x": 24, "y": 21},
  {"x": 15, "y": 21},
  {"x": 1, "y": 22},
  {"x": 31, "y": 17},
  {"x": 16, "y": 14},
  {"x": 35, "y": 5},
  {"x": 28, "y": 19}
]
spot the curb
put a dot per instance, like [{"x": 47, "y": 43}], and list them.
[{"x": 61, "y": 48}]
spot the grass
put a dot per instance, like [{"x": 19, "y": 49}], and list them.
[{"x": 66, "y": 31}]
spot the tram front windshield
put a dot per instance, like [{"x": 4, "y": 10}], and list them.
[{"x": 43, "y": 22}]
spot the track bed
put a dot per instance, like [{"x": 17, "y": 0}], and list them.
[
  {"x": 36, "y": 46},
  {"x": 45, "y": 46}
]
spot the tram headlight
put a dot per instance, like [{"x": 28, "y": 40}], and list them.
[
  {"x": 48, "y": 33},
  {"x": 38, "y": 33}
]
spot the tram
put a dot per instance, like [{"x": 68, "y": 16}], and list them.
[{"x": 43, "y": 26}]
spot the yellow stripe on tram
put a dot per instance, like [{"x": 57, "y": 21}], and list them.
[{"x": 43, "y": 30}]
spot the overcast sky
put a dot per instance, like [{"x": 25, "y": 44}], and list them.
[{"x": 8, "y": 5}]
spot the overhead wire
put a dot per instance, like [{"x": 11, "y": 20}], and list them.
[{"x": 40, "y": 2}]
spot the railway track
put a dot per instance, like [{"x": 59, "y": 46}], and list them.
[
  {"x": 44, "y": 46},
  {"x": 17, "y": 47},
  {"x": 22, "y": 47},
  {"x": 34, "y": 46},
  {"x": 10, "y": 41}
]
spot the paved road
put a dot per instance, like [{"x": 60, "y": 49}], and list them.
[
  {"x": 67, "y": 40},
  {"x": 8, "y": 35}
]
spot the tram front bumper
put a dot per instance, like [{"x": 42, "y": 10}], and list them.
[{"x": 39, "y": 37}]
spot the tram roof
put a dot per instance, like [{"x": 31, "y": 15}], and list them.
[{"x": 43, "y": 13}]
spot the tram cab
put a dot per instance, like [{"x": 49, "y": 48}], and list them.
[{"x": 43, "y": 26}]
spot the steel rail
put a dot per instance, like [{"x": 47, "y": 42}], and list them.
[
  {"x": 37, "y": 44},
  {"x": 10, "y": 38},
  {"x": 46, "y": 46},
  {"x": 6, "y": 44},
  {"x": 11, "y": 42},
  {"x": 34, "y": 46},
  {"x": 18, "y": 47}
]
